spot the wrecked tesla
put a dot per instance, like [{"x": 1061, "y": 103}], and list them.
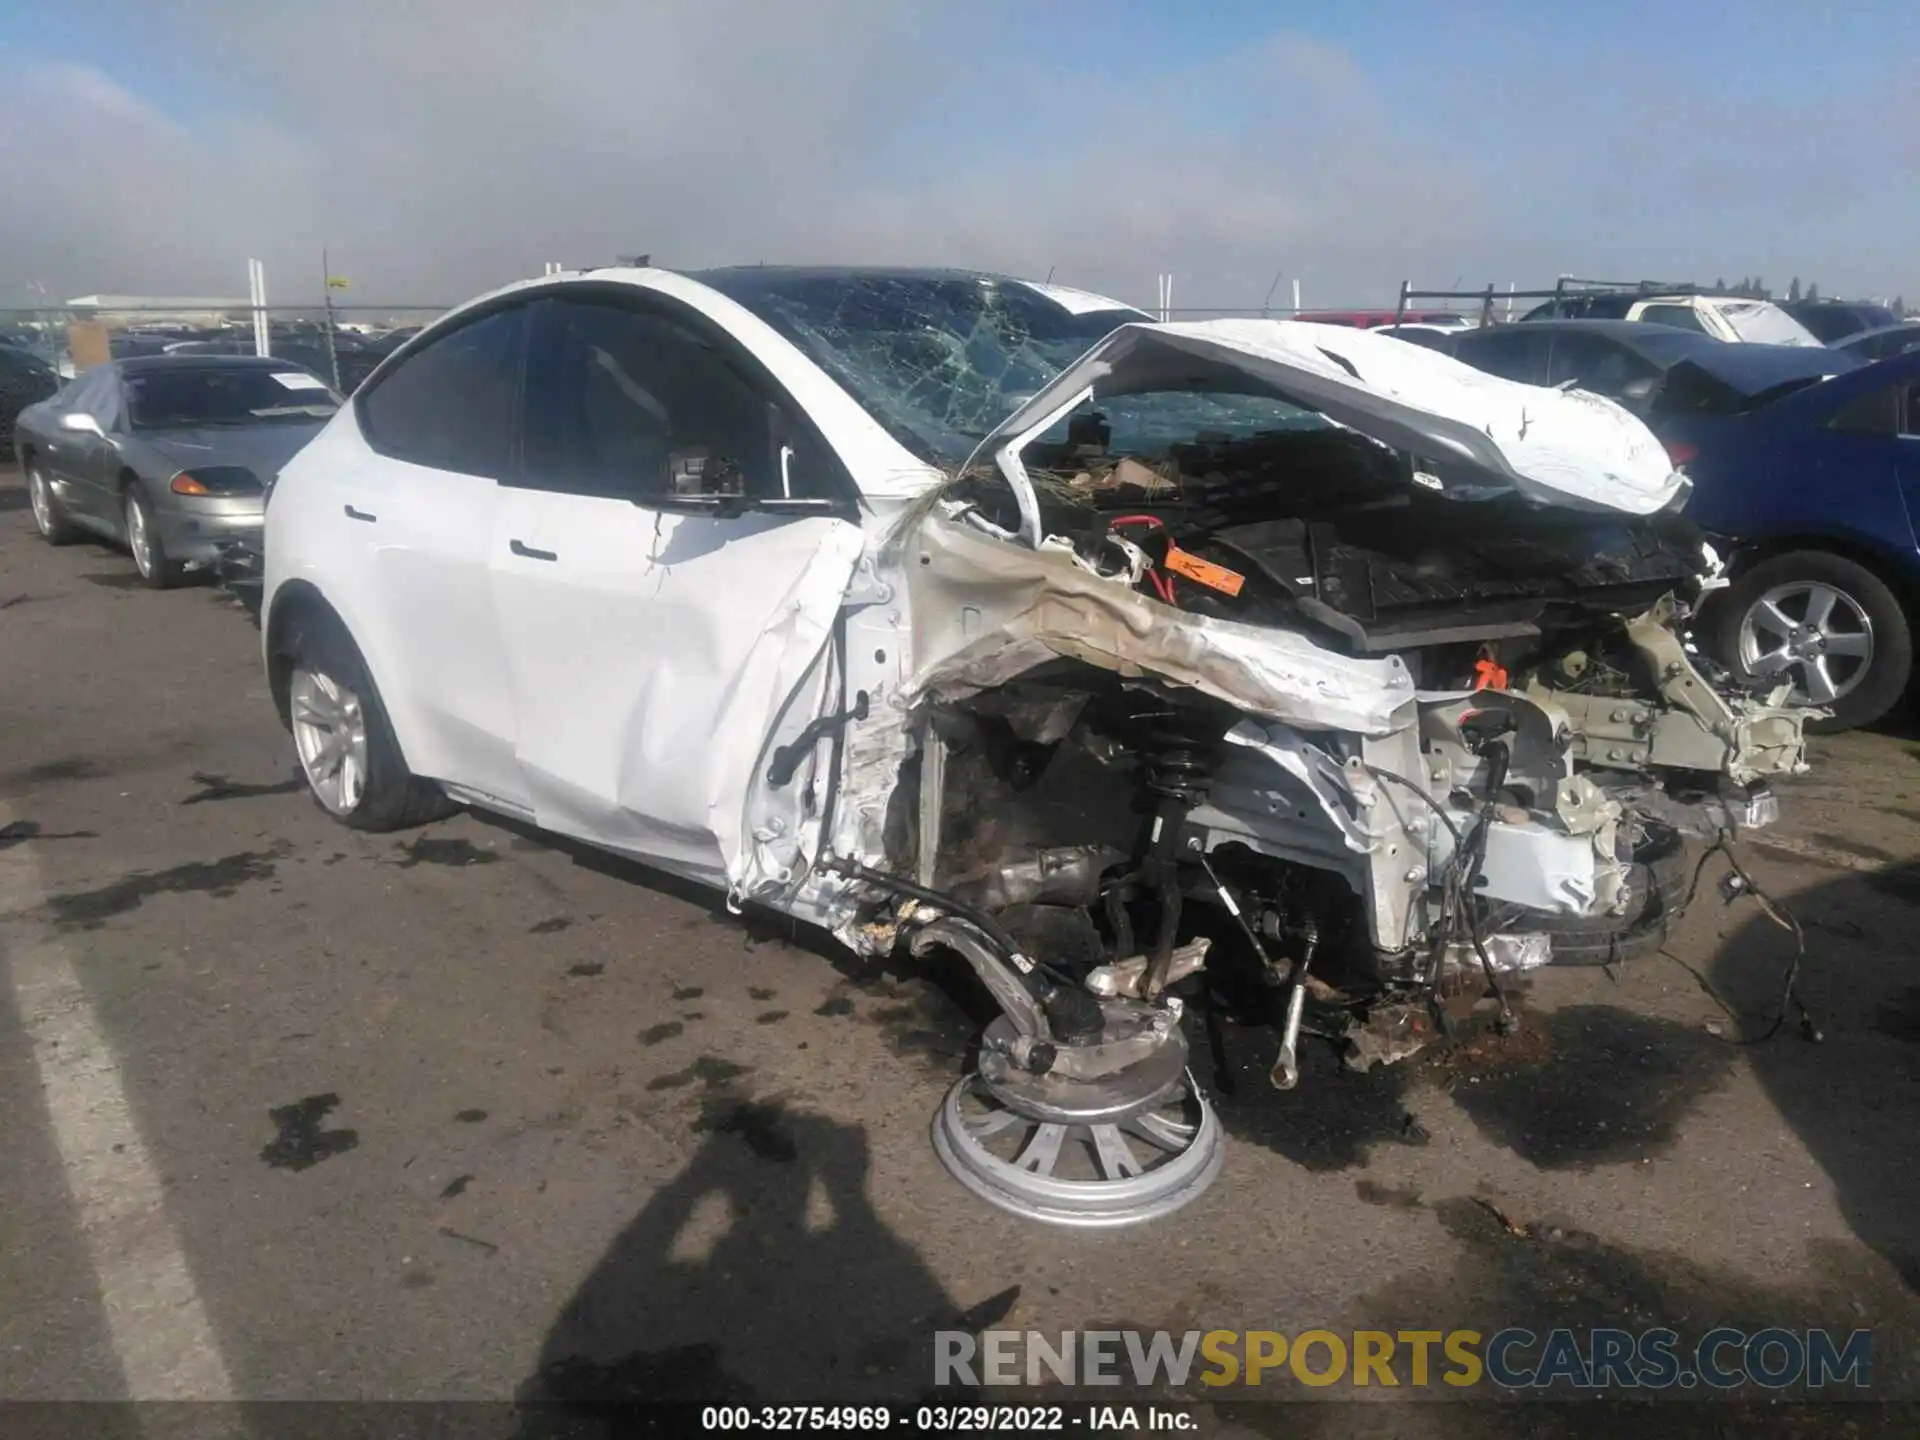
[{"x": 1262, "y": 664}]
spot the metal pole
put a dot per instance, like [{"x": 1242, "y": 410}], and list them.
[{"x": 326, "y": 296}]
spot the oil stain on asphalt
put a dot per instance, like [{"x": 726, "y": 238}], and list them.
[
  {"x": 301, "y": 1143},
  {"x": 709, "y": 1070},
  {"x": 52, "y": 772},
  {"x": 1586, "y": 1086},
  {"x": 434, "y": 850},
  {"x": 219, "y": 787},
  {"x": 91, "y": 909}
]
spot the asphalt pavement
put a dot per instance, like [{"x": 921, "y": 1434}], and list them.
[{"x": 465, "y": 1113}]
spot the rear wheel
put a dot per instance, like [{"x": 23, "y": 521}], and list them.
[
  {"x": 48, "y": 517},
  {"x": 1827, "y": 624},
  {"x": 348, "y": 753}
]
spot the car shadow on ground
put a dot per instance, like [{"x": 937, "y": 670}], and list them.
[
  {"x": 1853, "y": 1100},
  {"x": 760, "y": 1273}
]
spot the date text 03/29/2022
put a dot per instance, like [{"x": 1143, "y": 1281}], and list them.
[{"x": 931, "y": 1419}]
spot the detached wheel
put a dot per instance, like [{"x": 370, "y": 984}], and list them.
[
  {"x": 1829, "y": 625},
  {"x": 48, "y": 517},
  {"x": 348, "y": 754},
  {"x": 143, "y": 539}
]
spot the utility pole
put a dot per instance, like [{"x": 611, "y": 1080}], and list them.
[{"x": 326, "y": 296}]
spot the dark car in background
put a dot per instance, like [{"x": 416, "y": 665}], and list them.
[
  {"x": 170, "y": 455},
  {"x": 1832, "y": 321},
  {"x": 24, "y": 380},
  {"x": 1623, "y": 360},
  {"x": 1817, "y": 477},
  {"x": 1883, "y": 343}
]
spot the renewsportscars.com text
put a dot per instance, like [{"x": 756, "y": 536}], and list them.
[{"x": 1723, "y": 1358}]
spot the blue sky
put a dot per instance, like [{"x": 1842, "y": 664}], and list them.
[{"x": 439, "y": 147}]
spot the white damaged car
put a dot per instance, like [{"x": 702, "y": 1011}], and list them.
[{"x": 1251, "y": 663}]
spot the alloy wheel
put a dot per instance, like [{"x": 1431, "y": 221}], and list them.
[
  {"x": 1817, "y": 636},
  {"x": 330, "y": 734}
]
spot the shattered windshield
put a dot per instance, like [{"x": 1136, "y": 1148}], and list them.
[{"x": 941, "y": 359}]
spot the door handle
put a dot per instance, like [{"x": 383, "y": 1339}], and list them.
[
  {"x": 353, "y": 514},
  {"x": 527, "y": 552}
]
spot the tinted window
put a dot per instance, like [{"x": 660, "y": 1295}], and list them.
[
  {"x": 454, "y": 404},
  {"x": 634, "y": 404},
  {"x": 1511, "y": 352},
  {"x": 1596, "y": 363},
  {"x": 1680, "y": 317},
  {"x": 1877, "y": 413},
  {"x": 197, "y": 395}
]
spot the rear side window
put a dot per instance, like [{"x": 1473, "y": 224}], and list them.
[
  {"x": 1680, "y": 317},
  {"x": 455, "y": 403},
  {"x": 1597, "y": 364},
  {"x": 1515, "y": 352},
  {"x": 1877, "y": 413}
]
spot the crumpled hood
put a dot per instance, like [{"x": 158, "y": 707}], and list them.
[
  {"x": 262, "y": 449},
  {"x": 1562, "y": 447}
]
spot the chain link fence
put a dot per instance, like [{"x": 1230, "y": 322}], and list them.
[{"x": 340, "y": 343}]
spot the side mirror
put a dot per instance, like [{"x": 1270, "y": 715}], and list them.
[{"x": 81, "y": 423}]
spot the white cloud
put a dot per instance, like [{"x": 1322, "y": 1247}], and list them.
[{"x": 437, "y": 148}]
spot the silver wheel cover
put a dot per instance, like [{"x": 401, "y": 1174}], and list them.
[
  {"x": 138, "y": 540},
  {"x": 1126, "y": 1172},
  {"x": 330, "y": 734},
  {"x": 41, "y": 501}
]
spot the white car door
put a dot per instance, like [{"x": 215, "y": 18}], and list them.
[
  {"x": 664, "y": 634},
  {"x": 441, "y": 428}
]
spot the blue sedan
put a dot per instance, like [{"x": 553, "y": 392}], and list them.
[{"x": 1816, "y": 473}]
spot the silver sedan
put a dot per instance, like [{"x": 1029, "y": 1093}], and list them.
[{"x": 171, "y": 456}]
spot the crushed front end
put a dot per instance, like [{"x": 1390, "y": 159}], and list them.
[{"x": 1338, "y": 731}]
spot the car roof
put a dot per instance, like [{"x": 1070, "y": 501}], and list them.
[
  {"x": 1904, "y": 327},
  {"x": 1753, "y": 369},
  {"x": 1637, "y": 335},
  {"x": 140, "y": 364}
]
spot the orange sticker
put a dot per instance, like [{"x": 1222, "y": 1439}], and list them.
[{"x": 1214, "y": 577}]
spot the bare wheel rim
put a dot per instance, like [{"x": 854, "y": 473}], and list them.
[
  {"x": 138, "y": 541},
  {"x": 330, "y": 734},
  {"x": 40, "y": 500},
  {"x": 1814, "y": 634},
  {"x": 1087, "y": 1176}
]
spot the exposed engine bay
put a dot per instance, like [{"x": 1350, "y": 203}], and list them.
[{"x": 1295, "y": 721}]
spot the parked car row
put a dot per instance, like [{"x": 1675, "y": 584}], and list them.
[
  {"x": 1805, "y": 458},
  {"x": 946, "y": 610},
  {"x": 169, "y": 455}
]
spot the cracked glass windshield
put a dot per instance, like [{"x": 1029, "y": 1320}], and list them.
[{"x": 941, "y": 359}]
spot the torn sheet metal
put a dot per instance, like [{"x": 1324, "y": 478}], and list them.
[
  {"x": 985, "y": 612},
  {"x": 1323, "y": 776},
  {"x": 1508, "y": 953},
  {"x": 1561, "y": 447}
]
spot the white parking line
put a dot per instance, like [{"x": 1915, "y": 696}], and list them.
[{"x": 159, "y": 1328}]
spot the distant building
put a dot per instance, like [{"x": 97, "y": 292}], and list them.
[{"x": 126, "y": 311}]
